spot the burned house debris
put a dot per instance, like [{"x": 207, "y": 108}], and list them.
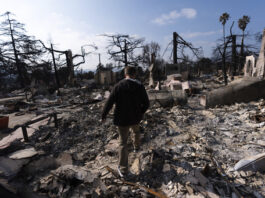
[
  {"x": 254, "y": 67},
  {"x": 105, "y": 76},
  {"x": 199, "y": 137},
  {"x": 186, "y": 151}
]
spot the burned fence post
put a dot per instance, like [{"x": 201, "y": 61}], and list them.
[{"x": 25, "y": 133}]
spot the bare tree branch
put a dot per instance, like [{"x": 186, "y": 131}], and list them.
[{"x": 122, "y": 48}]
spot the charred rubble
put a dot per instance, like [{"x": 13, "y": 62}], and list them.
[{"x": 187, "y": 150}]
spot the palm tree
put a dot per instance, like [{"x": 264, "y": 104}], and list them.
[
  {"x": 223, "y": 19},
  {"x": 242, "y": 24}
]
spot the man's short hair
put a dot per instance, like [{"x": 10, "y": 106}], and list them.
[{"x": 130, "y": 71}]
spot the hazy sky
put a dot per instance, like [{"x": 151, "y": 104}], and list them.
[{"x": 72, "y": 23}]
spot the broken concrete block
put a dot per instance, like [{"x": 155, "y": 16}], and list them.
[
  {"x": 174, "y": 77},
  {"x": 186, "y": 85},
  {"x": 25, "y": 153},
  {"x": 252, "y": 163},
  {"x": 243, "y": 90},
  {"x": 174, "y": 85},
  {"x": 167, "y": 98}
]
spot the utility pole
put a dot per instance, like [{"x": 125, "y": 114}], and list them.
[
  {"x": 175, "y": 46},
  {"x": 55, "y": 69}
]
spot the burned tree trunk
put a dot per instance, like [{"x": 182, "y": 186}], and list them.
[
  {"x": 234, "y": 58},
  {"x": 21, "y": 79},
  {"x": 55, "y": 68},
  {"x": 70, "y": 66},
  {"x": 224, "y": 67},
  {"x": 241, "y": 57},
  {"x": 125, "y": 53},
  {"x": 122, "y": 49},
  {"x": 69, "y": 60}
]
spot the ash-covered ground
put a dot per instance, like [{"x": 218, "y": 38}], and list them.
[{"x": 186, "y": 151}]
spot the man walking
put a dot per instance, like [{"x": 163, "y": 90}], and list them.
[{"x": 131, "y": 102}]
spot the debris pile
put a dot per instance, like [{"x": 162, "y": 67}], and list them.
[{"x": 187, "y": 151}]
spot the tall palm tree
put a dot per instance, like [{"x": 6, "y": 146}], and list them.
[
  {"x": 223, "y": 19},
  {"x": 242, "y": 24}
]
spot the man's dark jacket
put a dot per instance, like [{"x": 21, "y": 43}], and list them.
[{"x": 131, "y": 102}]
